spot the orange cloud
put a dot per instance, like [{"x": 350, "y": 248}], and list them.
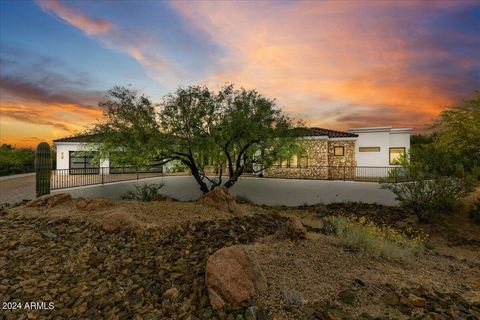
[
  {"x": 323, "y": 60},
  {"x": 44, "y": 121},
  {"x": 90, "y": 26}
]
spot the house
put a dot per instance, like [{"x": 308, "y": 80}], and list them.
[
  {"x": 329, "y": 154},
  {"x": 75, "y": 156},
  {"x": 332, "y": 154},
  {"x": 380, "y": 146}
]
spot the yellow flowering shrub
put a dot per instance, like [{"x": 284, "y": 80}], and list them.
[{"x": 377, "y": 240}]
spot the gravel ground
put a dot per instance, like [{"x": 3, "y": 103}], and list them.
[
  {"x": 135, "y": 215},
  {"x": 64, "y": 255},
  {"x": 92, "y": 274},
  {"x": 316, "y": 271}
]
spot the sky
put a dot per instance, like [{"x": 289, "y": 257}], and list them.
[{"x": 333, "y": 64}]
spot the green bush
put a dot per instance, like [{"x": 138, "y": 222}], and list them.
[
  {"x": 379, "y": 241},
  {"x": 474, "y": 212},
  {"x": 13, "y": 161},
  {"x": 426, "y": 193},
  {"x": 144, "y": 192}
]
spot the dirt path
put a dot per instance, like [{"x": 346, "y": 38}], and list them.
[{"x": 17, "y": 189}]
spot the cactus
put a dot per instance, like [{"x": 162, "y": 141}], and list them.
[{"x": 43, "y": 169}]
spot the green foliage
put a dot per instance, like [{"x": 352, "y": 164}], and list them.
[
  {"x": 231, "y": 130},
  {"x": 420, "y": 139},
  {"x": 14, "y": 161},
  {"x": 458, "y": 131},
  {"x": 426, "y": 193},
  {"x": 379, "y": 241},
  {"x": 43, "y": 169},
  {"x": 474, "y": 211},
  {"x": 179, "y": 167},
  {"x": 144, "y": 192}
]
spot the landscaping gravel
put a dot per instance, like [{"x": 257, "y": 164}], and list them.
[{"x": 90, "y": 274}]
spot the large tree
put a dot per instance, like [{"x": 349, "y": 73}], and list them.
[
  {"x": 231, "y": 131},
  {"x": 458, "y": 131}
]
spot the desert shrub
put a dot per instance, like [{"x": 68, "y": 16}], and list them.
[
  {"x": 144, "y": 192},
  {"x": 474, "y": 211},
  {"x": 424, "y": 192},
  {"x": 379, "y": 241},
  {"x": 243, "y": 199}
]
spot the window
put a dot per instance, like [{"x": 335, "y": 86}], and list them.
[
  {"x": 82, "y": 163},
  {"x": 396, "y": 154},
  {"x": 339, "y": 151},
  {"x": 369, "y": 149}
]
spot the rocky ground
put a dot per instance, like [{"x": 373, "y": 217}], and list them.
[
  {"x": 129, "y": 260},
  {"x": 91, "y": 274},
  {"x": 318, "y": 279}
]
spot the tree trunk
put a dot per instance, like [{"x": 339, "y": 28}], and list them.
[{"x": 196, "y": 175}]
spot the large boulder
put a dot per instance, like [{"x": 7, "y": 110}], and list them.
[
  {"x": 293, "y": 230},
  {"x": 222, "y": 200},
  {"x": 49, "y": 200},
  {"x": 233, "y": 277}
]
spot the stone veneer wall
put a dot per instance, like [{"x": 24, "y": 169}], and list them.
[
  {"x": 321, "y": 158},
  {"x": 343, "y": 165}
]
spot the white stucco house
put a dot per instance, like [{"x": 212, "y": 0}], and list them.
[
  {"x": 358, "y": 147},
  {"x": 380, "y": 146}
]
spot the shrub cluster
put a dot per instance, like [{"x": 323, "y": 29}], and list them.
[
  {"x": 379, "y": 241},
  {"x": 426, "y": 193},
  {"x": 144, "y": 192}
]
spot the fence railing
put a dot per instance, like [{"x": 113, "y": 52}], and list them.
[
  {"x": 79, "y": 177},
  {"x": 69, "y": 178},
  {"x": 351, "y": 173}
]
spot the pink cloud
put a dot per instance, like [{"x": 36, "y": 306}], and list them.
[
  {"x": 317, "y": 57},
  {"x": 137, "y": 44},
  {"x": 90, "y": 26}
]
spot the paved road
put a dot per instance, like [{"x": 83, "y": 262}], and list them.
[
  {"x": 16, "y": 189},
  {"x": 288, "y": 192}
]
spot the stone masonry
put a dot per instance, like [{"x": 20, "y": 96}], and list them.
[{"x": 322, "y": 162}]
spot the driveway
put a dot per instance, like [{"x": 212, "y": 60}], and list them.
[
  {"x": 17, "y": 188},
  {"x": 289, "y": 192}
]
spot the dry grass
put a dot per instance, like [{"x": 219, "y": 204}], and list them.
[{"x": 378, "y": 241}]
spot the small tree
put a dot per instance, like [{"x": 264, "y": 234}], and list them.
[{"x": 230, "y": 130}]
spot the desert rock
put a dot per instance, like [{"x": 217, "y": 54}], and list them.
[{"x": 233, "y": 277}]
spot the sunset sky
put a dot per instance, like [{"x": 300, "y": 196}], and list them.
[{"x": 335, "y": 64}]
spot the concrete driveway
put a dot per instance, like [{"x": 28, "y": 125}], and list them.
[
  {"x": 17, "y": 188},
  {"x": 289, "y": 192}
]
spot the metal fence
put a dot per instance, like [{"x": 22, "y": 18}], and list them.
[
  {"x": 69, "y": 178},
  {"x": 350, "y": 173}
]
